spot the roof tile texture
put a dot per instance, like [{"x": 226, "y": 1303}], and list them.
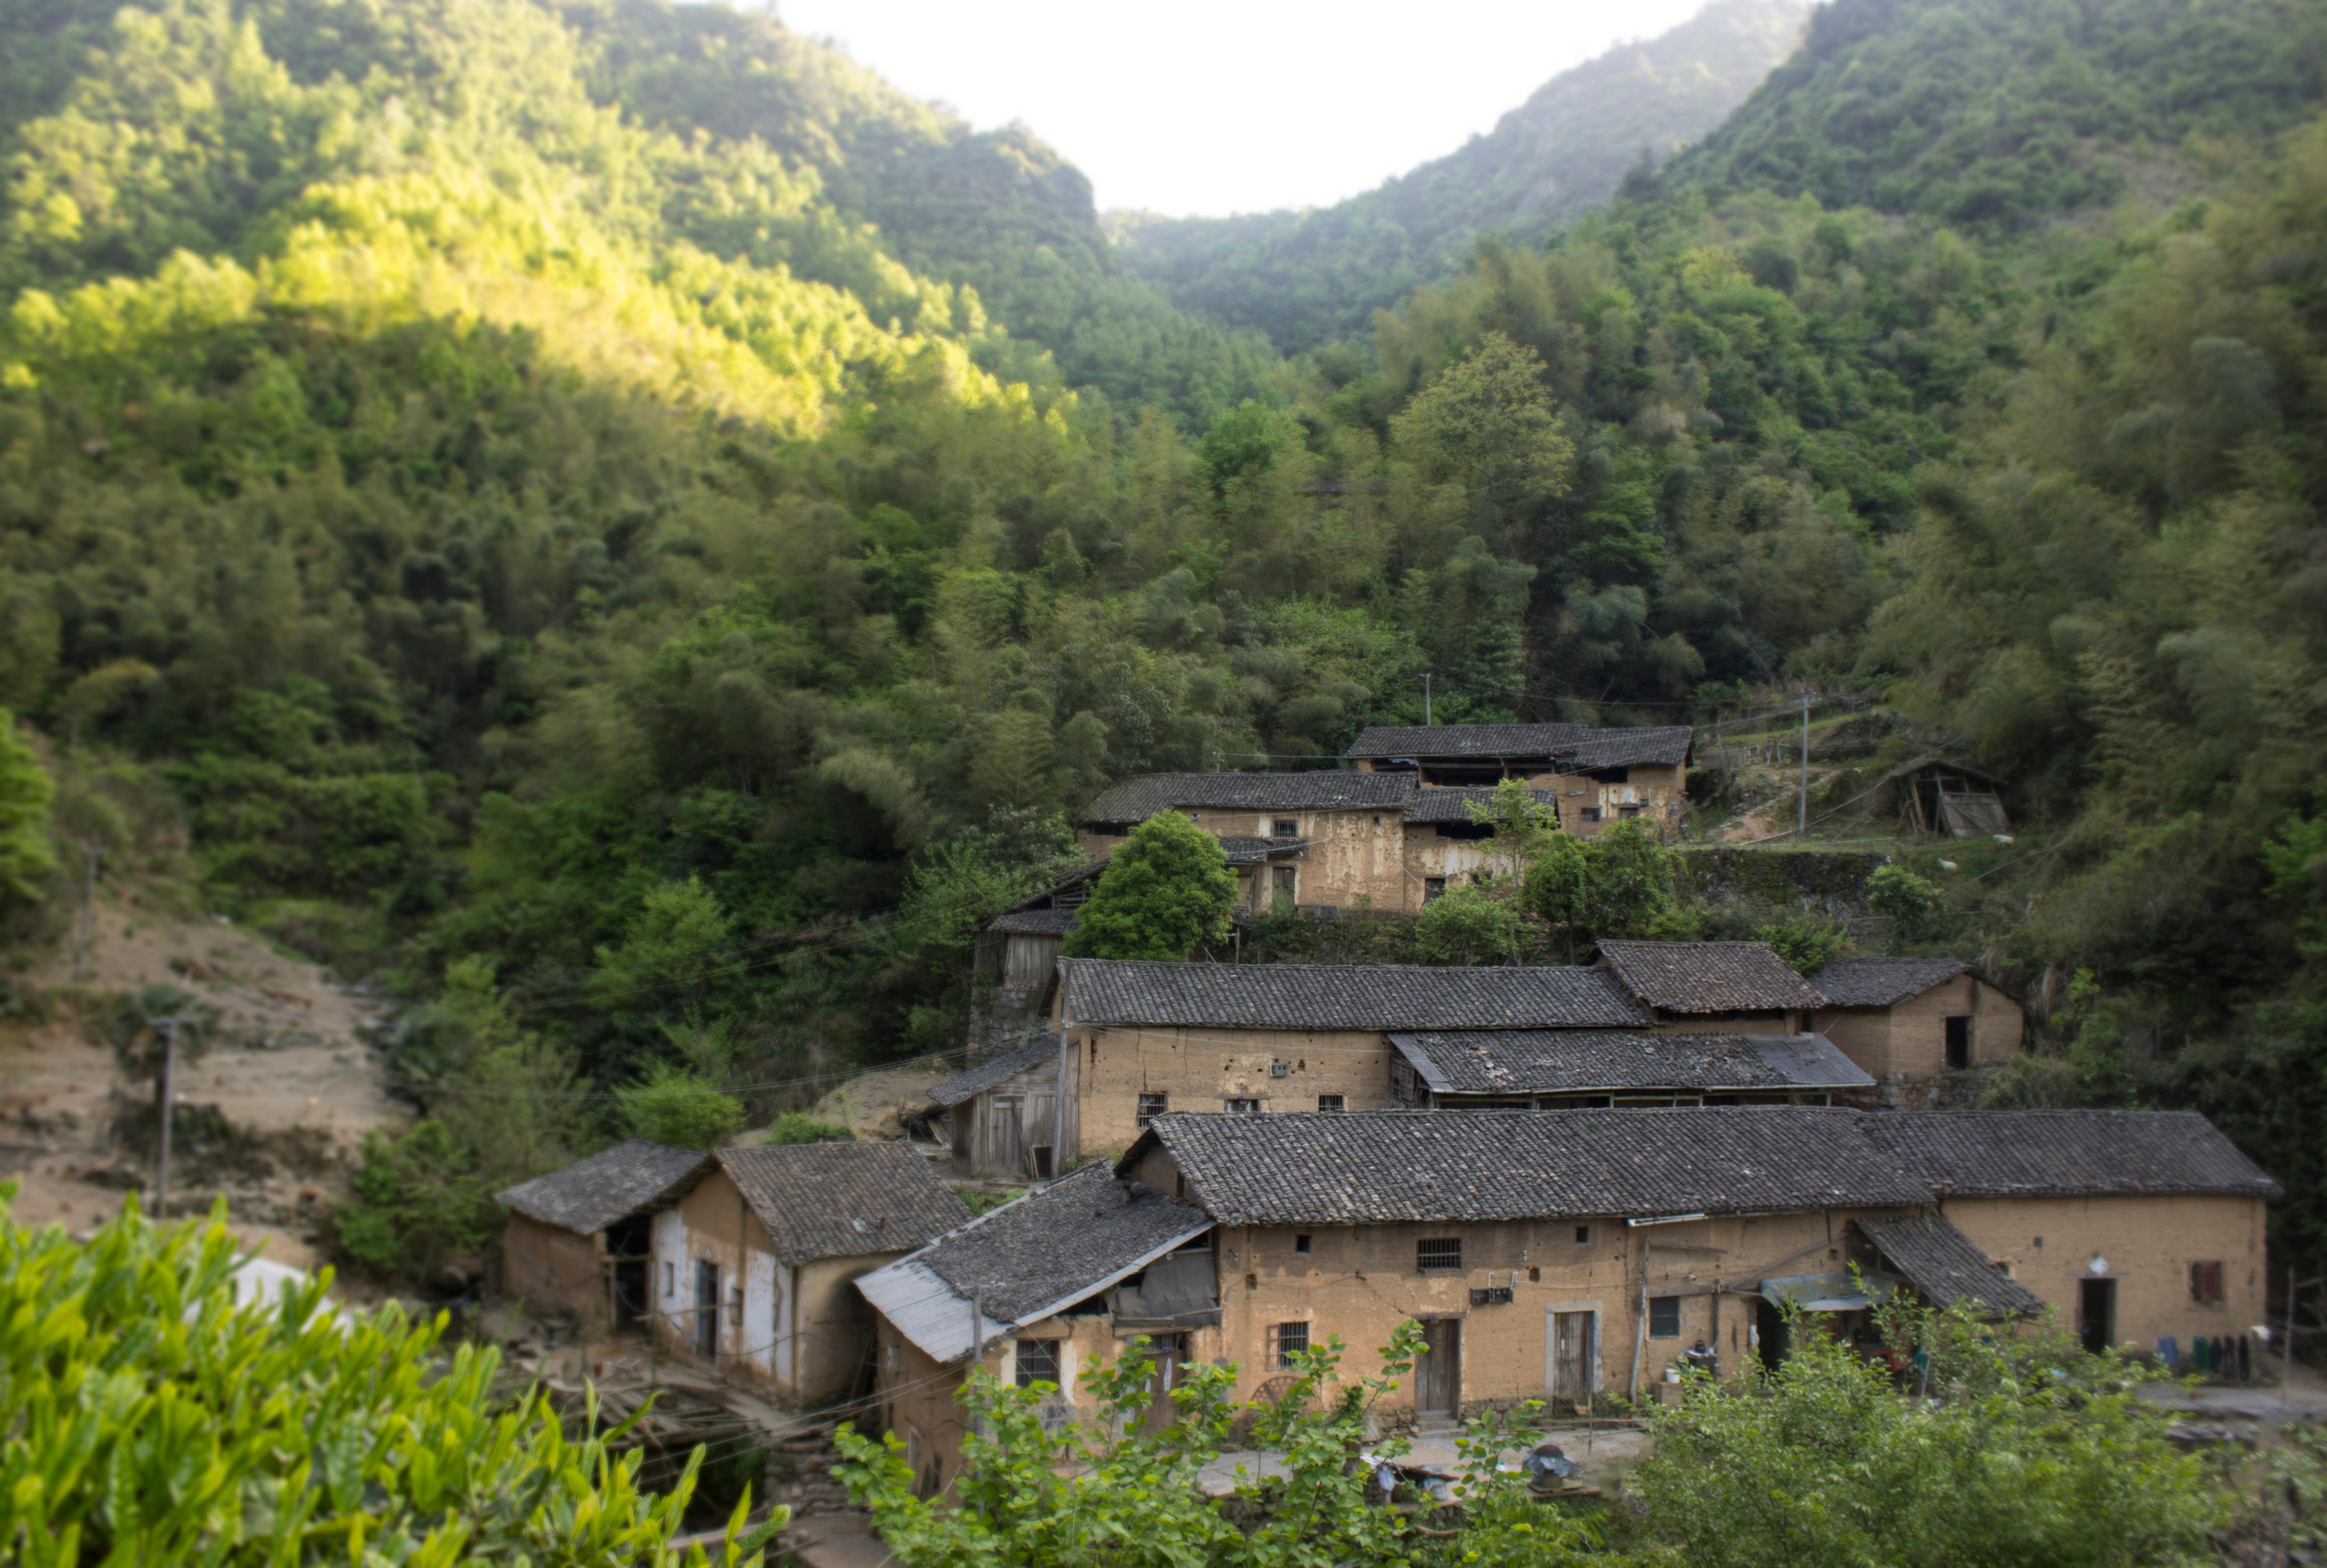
[
  {"x": 1942, "y": 1262},
  {"x": 1877, "y": 982},
  {"x": 2067, "y": 1153},
  {"x": 1101, "y": 990},
  {"x": 964, "y": 1086},
  {"x": 1572, "y": 1061},
  {"x": 1060, "y": 1243},
  {"x": 1325, "y": 790},
  {"x": 612, "y": 1184},
  {"x": 821, "y": 1200},
  {"x": 1700, "y": 977}
]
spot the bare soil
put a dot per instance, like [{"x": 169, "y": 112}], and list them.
[{"x": 294, "y": 1084}]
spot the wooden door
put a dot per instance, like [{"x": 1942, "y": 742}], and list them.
[
  {"x": 706, "y": 1307},
  {"x": 1171, "y": 1353},
  {"x": 1438, "y": 1375},
  {"x": 1006, "y": 1129},
  {"x": 1571, "y": 1357}
]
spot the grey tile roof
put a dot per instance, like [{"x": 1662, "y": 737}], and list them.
[
  {"x": 2069, "y": 1154},
  {"x": 1438, "y": 804},
  {"x": 612, "y": 1184},
  {"x": 1381, "y": 1166},
  {"x": 966, "y": 1085},
  {"x": 1051, "y": 1248},
  {"x": 823, "y": 1201},
  {"x": 1942, "y": 1262},
  {"x": 1257, "y": 851},
  {"x": 1574, "y": 1061},
  {"x": 1324, "y": 789},
  {"x": 1488, "y": 741},
  {"x": 1580, "y": 746},
  {"x": 1343, "y": 996},
  {"x": 1882, "y": 982},
  {"x": 1035, "y": 922},
  {"x": 1709, "y": 976}
]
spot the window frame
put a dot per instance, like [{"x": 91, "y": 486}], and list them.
[
  {"x": 1282, "y": 1347},
  {"x": 1666, "y": 1308},
  {"x": 1584, "y": 1236},
  {"x": 2206, "y": 1284},
  {"x": 1240, "y": 1104},
  {"x": 1440, "y": 1261},
  {"x": 1284, "y": 827},
  {"x": 1161, "y": 1106},
  {"x": 1046, "y": 1352},
  {"x": 1334, "y": 1105}
]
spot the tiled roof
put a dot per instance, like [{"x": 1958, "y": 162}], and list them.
[
  {"x": 1575, "y": 1062},
  {"x": 843, "y": 1199},
  {"x": 1324, "y": 789},
  {"x": 1035, "y": 922},
  {"x": 1382, "y": 1166},
  {"x": 1580, "y": 746},
  {"x": 965, "y": 1085},
  {"x": 1942, "y": 1262},
  {"x": 2071, "y": 1154},
  {"x": 1029, "y": 1259},
  {"x": 1257, "y": 851},
  {"x": 1709, "y": 976},
  {"x": 1343, "y": 996},
  {"x": 1882, "y": 982},
  {"x": 1454, "y": 805},
  {"x": 612, "y": 1184},
  {"x": 1465, "y": 740}
]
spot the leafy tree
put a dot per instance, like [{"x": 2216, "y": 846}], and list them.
[
  {"x": 1912, "y": 903},
  {"x": 1616, "y": 884},
  {"x": 25, "y": 791},
  {"x": 1808, "y": 942},
  {"x": 1471, "y": 923},
  {"x": 417, "y": 1199},
  {"x": 287, "y": 1431},
  {"x": 1166, "y": 890},
  {"x": 672, "y": 945},
  {"x": 1828, "y": 1462},
  {"x": 1487, "y": 422},
  {"x": 679, "y": 1108}
]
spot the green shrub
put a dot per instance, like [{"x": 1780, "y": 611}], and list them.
[
  {"x": 1165, "y": 891},
  {"x": 151, "y": 1420},
  {"x": 417, "y": 1201},
  {"x": 1469, "y": 924},
  {"x": 25, "y": 791},
  {"x": 1911, "y": 902},
  {"x": 1807, "y": 941},
  {"x": 805, "y": 1127},
  {"x": 679, "y": 1108}
]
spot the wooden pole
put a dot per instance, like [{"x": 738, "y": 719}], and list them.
[
  {"x": 169, "y": 1028},
  {"x": 1803, "y": 827}
]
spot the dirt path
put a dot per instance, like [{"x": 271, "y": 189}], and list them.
[{"x": 291, "y": 1069}]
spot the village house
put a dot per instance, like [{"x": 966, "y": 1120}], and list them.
[
  {"x": 1908, "y": 1021},
  {"x": 1598, "y": 776},
  {"x": 1005, "y": 1117},
  {"x": 1561, "y": 1254},
  {"x": 1330, "y": 839},
  {"x": 577, "y": 1239},
  {"x": 1035, "y": 1292},
  {"x": 1712, "y": 987},
  {"x": 753, "y": 1258},
  {"x": 1552, "y": 1070}
]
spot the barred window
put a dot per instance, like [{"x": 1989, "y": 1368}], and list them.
[
  {"x": 1286, "y": 1341},
  {"x": 1332, "y": 1103},
  {"x": 1439, "y": 1257},
  {"x": 1151, "y": 1107},
  {"x": 1240, "y": 1106},
  {"x": 1038, "y": 1362}
]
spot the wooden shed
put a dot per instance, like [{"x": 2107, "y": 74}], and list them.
[
  {"x": 578, "y": 1239},
  {"x": 1004, "y": 1116},
  {"x": 1020, "y": 946},
  {"x": 1931, "y": 795}
]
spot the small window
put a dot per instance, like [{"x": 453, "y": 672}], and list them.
[
  {"x": 1439, "y": 1257},
  {"x": 1959, "y": 1042},
  {"x": 1332, "y": 1103},
  {"x": 1588, "y": 814},
  {"x": 1151, "y": 1107},
  {"x": 1300, "y": 1244},
  {"x": 1038, "y": 1362},
  {"x": 1627, "y": 812},
  {"x": 1584, "y": 1236},
  {"x": 735, "y": 1308},
  {"x": 1237, "y": 1106},
  {"x": 1286, "y": 1341},
  {"x": 670, "y": 1279},
  {"x": 1432, "y": 887},
  {"x": 1284, "y": 827},
  {"x": 2206, "y": 1284},
  {"x": 1664, "y": 1316}
]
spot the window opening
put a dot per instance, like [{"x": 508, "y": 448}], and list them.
[
  {"x": 1284, "y": 827},
  {"x": 1332, "y": 1103},
  {"x": 2206, "y": 1284},
  {"x": 1664, "y": 1316},
  {"x": 1300, "y": 1244},
  {"x": 1038, "y": 1362},
  {"x": 1240, "y": 1105},
  {"x": 1439, "y": 1257},
  {"x": 1151, "y": 1107},
  {"x": 1584, "y": 1236},
  {"x": 1959, "y": 1042},
  {"x": 1286, "y": 1341}
]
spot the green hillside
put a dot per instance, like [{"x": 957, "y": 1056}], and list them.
[
  {"x": 615, "y": 520},
  {"x": 1309, "y": 278}
]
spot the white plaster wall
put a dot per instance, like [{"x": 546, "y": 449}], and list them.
[
  {"x": 669, "y": 1247},
  {"x": 762, "y": 1331}
]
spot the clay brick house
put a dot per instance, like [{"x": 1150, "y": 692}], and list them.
[
  {"x": 1264, "y": 1039},
  {"x": 1598, "y": 776},
  {"x": 577, "y": 1238},
  {"x": 1908, "y": 1021},
  {"x": 1003, "y": 1117},
  {"x": 1034, "y": 1292},
  {"x": 754, "y": 1260},
  {"x": 1445, "y": 845},
  {"x": 1320, "y": 839},
  {"x": 1550, "y": 1070},
  {"x": 1712, "y": 987}
]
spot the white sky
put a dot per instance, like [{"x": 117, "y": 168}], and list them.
[{"x": 1211, "y": 106}]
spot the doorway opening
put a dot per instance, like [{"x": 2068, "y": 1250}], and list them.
[
  {"x": 1959, "y": 1041},
  {"x": 1769, "y": 1329},
  {"x": 1571, "y": 1357},
  {"x": 628, "y": 1244},
  {"x": 706, "y": 1308},
  {"x": 2097, "y": 1314},
  {"x": 1438, "y": 1375}
]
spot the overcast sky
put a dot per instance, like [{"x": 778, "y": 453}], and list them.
[{"x": 1213, "y": 106}]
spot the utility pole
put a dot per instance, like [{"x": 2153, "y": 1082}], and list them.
[
  {"x": 1802, "y": 827},
  {"x": 169, "y": 1028},
  {"x": 977, "y": 1332}
]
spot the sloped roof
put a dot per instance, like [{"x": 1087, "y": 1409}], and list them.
[
  {"x": 823, "y": 1201},
  {"x": 2066, "y": 1154},
  {"x": 1932, "y": 759},
  {"x": 1581, "y": 746},
  {"x": 1421, "y": 1166},
  {"x": 1882, "y": 982},
  {"x": 966, "y": 1085},
  {"x": 1257, "y": 851},
  {"x": 1944, "y": 1264},
  {"x": 1029, "y": 1259},
  {"x": 1324, "y": 789},
  {"x": 1438, "y": 804},
  {"x": 1709, "y": 976},
  {"x": 1486, "y": 740},
  {"x": 1343, "y": 995},
  {"x": 611, "y": 1185},
  {"x": 1035, "y": 922},
  {"x": 1575, "y": 1062}
]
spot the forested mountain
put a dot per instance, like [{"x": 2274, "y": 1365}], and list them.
[
  {"x": 642, "y": 529},
  {"x": 1309, "y": 277}
]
